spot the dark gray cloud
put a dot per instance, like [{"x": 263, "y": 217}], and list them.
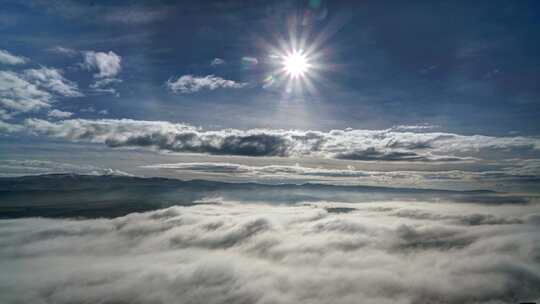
[
  {"x": 386, "y": 145},
  {"x": 255, "y": 253}
]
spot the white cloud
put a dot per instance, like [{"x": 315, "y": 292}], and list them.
[
  {"x": 324, "y": 252},
  {"x": 107, "y": 64},
  {"x": 59, "y": 114},
  {"x": 53, "y": 80},
  {"x": 8, "y": 58},
  {"x": 19, "y": 95},
  {"x": 217, "y": 61},
  {"x": 190, "y": 83},
  {"x": 33, "y": 90},
  {"x": 365, "y": 145}
]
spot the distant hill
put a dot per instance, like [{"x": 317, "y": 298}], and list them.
[{"x": 70, "y": 195}]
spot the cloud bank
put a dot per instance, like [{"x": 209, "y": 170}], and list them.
[
  {"x": 326, "y": 252},
  {"x": 190, "y": 84},
  {"x": 350, "y": 144},
  {"x": 528, "y": 171}
]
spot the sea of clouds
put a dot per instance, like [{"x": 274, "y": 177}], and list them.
[{"x": 220, "y": 251}]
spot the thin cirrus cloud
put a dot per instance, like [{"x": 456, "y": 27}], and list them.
[
  {"x": 133, "y": 15},
  {"x": 64, "y": 51},
  {"x": 93, "y": 110},
  {"x": 217, "y": 61},
  {"x": 10, "y": 59},
  {"x": 190, "y": 83},
  {"x": 365, "y": 145},
  {"x": 105, "y": 85}
]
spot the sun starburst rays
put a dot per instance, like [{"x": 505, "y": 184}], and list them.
[{"x": 296, "y": 64}]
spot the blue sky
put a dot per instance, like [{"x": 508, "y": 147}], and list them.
[
  {"x": 411, "y": 82},
  {"x": 468, "y": 68}
]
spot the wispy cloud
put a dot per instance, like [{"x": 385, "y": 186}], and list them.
[
  {"x": 53, "y": 80},
  {"x": 134, "y": 15},
  {"x": 10, "y": 59},
  {"x": 93, "y": 110},
  {"x": 33, "y": 89},
  {"x": 105, "y": 85},
  {"x": 190, "y": 83},
  {"x": 418, "y": 127},
  {"x": 217, "y": 61},
  {"x": 250, "y": 61},
  {"x": 19, "y": 95},
  {"x": 64, "y": 51}
]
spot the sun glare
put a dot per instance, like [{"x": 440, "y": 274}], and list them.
[{"x": 295, "y": 64}]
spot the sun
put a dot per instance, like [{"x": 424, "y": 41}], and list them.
[{"x": 296, "y": 64}]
